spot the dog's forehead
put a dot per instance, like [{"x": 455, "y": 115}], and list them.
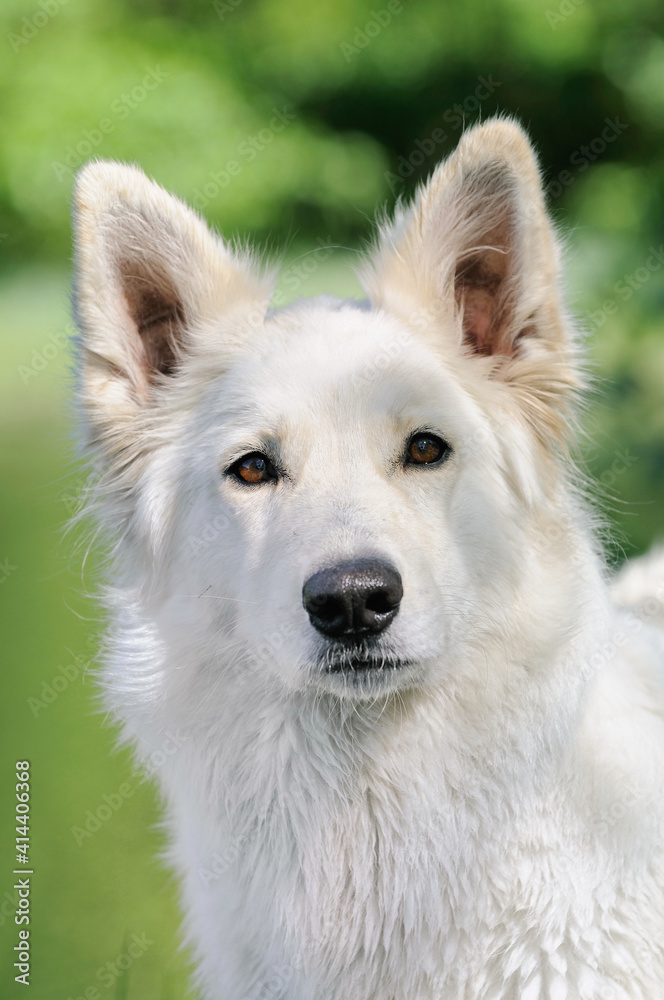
[
  {"x": 319, "y": 328},
  {"x": 336, "y": 365},
  {"x": 344, "y": 350}
]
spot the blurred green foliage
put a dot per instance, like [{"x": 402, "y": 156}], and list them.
[
  {"x": 282, "y": 122},
  {"x": 362, "y": 81}
]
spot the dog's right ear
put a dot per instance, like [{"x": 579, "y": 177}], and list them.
[{"x": 153, "y": 283}]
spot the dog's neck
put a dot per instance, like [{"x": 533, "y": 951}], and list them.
[
  {"x": 354, "y": 819},
  {"x": 339, "y": 752}
]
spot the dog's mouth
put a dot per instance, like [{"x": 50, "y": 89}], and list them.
[{"x": 362, "y": 665}]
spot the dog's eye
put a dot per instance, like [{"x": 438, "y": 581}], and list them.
[
  {"x": 426, "y": 449},
  {"x": 253, "y": 468}
]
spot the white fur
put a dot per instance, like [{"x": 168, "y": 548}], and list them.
[{"x": 484, "y": 823}]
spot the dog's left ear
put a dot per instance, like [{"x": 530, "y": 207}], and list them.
[{"x": 475, "y": 255}]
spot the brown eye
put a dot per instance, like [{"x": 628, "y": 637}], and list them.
[
  {"x": 426, "y": 449},
  {"x": 253, "y": 468}
]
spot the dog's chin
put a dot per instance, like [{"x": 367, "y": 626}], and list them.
[{"x": 362, "y": 676}]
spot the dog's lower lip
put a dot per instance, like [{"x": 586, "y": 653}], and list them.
[{"x": 363, "y": 666}]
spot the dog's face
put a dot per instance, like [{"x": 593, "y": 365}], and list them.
[{"x": 337, "y": 496}]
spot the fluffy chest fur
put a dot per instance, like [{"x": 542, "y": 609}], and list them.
[{"x": 404, "y": 866}]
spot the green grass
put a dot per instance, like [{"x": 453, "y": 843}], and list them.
[{"x": 86, "y": 900}]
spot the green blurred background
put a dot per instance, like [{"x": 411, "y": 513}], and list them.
[{"x": 370, "y": 95}]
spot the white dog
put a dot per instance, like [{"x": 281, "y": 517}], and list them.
[{"x": 419, "y": 752}]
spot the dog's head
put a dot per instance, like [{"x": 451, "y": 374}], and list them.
[{"x": 358, "y": 497}]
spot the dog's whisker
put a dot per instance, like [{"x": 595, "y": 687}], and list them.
[{"x": 216, "y": 597}]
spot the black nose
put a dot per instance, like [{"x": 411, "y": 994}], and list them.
[{"x": 356, "y": 599}]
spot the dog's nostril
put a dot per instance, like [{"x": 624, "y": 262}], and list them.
[
  {"x": 353, "y": 599},
  {"x": 381, "y": 602},
  {"x": 328, "y": 608}
]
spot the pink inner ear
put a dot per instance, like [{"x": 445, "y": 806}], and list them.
[
  {"x": 481, "y": 291},
  {"x": 479, "y": 307},
  {"x": 157, "y": 317}
]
